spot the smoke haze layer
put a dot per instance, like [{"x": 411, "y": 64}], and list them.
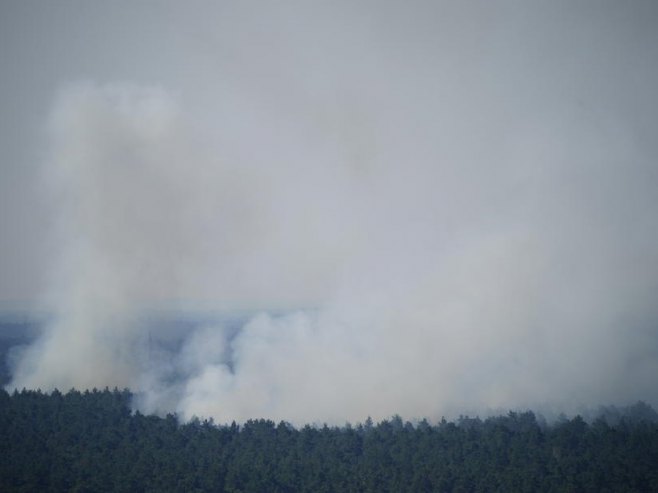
[{"x": 470, "y": 215}]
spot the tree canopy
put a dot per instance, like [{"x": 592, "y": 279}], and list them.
[{"x": 91, "y": 442}]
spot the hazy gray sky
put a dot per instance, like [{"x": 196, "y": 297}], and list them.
[
  {"x": 466, "y": 190},
  {"x": 466, "y": 87}
]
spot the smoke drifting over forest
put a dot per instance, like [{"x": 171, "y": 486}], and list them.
[{"x": 453, "y": 210}]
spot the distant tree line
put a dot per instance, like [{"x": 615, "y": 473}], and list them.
[{"x": 92, "y": 442}]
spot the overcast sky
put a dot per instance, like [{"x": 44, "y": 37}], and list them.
[
  {"x": 466, "y": 191},
  {"x": 461, "y": 87}
]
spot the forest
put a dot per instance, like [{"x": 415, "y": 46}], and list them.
[{"x": 92, "y": 442}]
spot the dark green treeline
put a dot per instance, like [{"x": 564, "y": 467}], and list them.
[{"x": 90, "y": 442}]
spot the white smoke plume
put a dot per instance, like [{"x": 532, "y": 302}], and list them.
[{"x": 459, "y": 240}]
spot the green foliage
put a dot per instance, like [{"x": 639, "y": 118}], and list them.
[{"x": 91, "y": 442}]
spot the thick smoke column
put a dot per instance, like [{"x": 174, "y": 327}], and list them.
[
  {"x": 117, "y": 230},
  {"x": 475, "y": 233}
]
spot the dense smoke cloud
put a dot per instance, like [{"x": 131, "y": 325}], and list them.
[{"x": 467, "y": 217}]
